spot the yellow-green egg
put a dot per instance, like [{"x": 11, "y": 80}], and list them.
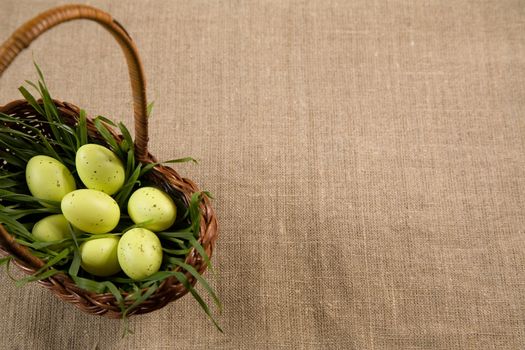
[
  {"x": 91, "y": 211},
  {"x": 99, "y": 256},
  {"x": 99, "y": 168},
  {"x": 51, "y": 228},
  {"x": 139, "y": 253},
  {"x": 153, "y": 207},
  {"x": 48, "y": 179}
]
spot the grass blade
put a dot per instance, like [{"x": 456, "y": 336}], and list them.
[
  {"x": 125, "y": 134},
  {"x": 140, "y": 299},
  {"x": 5, "y": 260},
  {"x": 146, "y": 168},
  {"x": 106, "y": 120},
  {"x": 106, "y": 135},
  {"x": 14, "y": 226},
  {"x": 202, "y": 281},
  {"x": 182, "y": 279},
  {"x": 31, "y": 100},
  {"x": 149, "y": 108},
  {"x": 82, "y": 128},
  {"x": 181, "y": 160},
  {"x": 199, "y": 248},
  {"x": 124, "y": 193},
  {"x": 37, "y": 277},
  {"x": 89, "y": 285},
  {"x": 75, "y": 264}
]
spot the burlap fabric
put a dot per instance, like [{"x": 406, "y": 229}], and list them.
[{"x": 368, "y": 160}]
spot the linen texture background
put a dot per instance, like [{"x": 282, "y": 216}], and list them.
[{"x": 367, "y": 159}]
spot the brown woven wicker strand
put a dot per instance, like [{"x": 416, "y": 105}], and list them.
[{"x": 164, "y": 177}]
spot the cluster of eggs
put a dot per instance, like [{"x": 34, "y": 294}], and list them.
[{"x": 92, "y": 210}]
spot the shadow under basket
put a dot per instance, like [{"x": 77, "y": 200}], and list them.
[{"x": 181, "y": 189}]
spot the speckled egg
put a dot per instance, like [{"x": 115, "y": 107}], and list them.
[
  {"x": 51, "y": 228},
  {"x": 99, "y": 256},
  {"x": 91, "y": 211},
  {"x": 48, "y": 179},
  {"x": 99, "y": 168},
  {"x": 153, "y": 207},
  {"x": 139, "y": 253}
]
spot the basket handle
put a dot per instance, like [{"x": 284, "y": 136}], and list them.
[{"x": 32, "y": 29}]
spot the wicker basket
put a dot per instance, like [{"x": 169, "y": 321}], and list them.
[{"x": 165, "y": 177}]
